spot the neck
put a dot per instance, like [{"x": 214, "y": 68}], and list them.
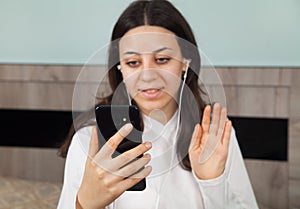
[{"x": 160, "y": 115}]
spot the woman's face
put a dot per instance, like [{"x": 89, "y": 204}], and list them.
[{"x": 152, "y": 67}]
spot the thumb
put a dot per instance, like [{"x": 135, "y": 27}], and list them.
[
  {"x": 94, "y": 147},
  {"x": 196, "y": 138}
]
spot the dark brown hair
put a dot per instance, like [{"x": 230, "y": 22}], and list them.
[{"x": 155, "y": 13}]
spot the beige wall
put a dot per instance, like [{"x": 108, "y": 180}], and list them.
[{"x": 256, "y": 92}]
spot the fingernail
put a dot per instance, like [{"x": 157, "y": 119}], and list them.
[
  {"x": 147, "y": 155},
  {"x": 149, "y": 167},
  {"x": 128, "y": 127},
  {"x": 148, "y": 144}
]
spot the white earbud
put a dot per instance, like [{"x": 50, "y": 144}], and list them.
[
  {"x": 188, "y": 61},
  {"x": 119, "y": 67}
]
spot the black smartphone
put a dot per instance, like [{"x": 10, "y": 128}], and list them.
[{"x": 110, "y": 118}]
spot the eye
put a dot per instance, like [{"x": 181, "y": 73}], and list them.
[
  {"x": 132, "y": 63},
  {"x": 162, "y": 60}
]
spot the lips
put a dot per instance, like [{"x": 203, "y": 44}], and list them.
[{"x": 151, "y": 92}]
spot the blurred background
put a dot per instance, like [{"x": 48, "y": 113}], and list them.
[{"x": 254, "y": 46}]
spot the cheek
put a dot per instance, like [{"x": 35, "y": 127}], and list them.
[
  {"x": 175, "y": 78},
  {"x": 177, "y": 69},
  {"x": 130, "y": 81},
  {"x": 172, "y": 77},
  {"x": 125, "y": 75}
]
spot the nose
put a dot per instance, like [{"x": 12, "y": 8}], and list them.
[{"x": 148, "y": 72}]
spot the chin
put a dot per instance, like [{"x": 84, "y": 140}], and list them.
[{"x": 148, "y": 106}]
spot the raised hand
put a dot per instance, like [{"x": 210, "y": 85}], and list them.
[
  {"x": 208, "y": 149},
  {"x": 106, "y": 178}
]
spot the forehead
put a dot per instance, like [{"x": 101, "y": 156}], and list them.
[{"x": 147, "y": 39}]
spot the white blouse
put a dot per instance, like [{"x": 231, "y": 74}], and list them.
[{"x": 168, "y": 186}]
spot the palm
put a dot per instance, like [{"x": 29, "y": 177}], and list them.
[{"x": 209, "y": 144}]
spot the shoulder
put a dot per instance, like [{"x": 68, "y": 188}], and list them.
[
  {"x": 233, "y": 143},
  {"x": 81, "y": 140},
  {"x": 233, "y": 138},
  {"x": 233, "y": 133},
  {"x": 82, "y": 133}
]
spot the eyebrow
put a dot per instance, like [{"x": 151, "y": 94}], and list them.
[{"x": 155, "y": 51}]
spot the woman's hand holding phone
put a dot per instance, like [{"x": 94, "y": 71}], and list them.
[
  {"x": 106, "y": 178},
  {"x": 208, "y": 149}
]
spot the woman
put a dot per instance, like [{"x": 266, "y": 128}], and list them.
[{"x": 151, "y": 58}]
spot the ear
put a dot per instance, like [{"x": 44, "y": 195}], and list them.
[
  {"x": 186, "y": 64},
  {"x": 184, "y": 67}
]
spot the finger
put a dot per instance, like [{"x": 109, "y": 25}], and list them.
[
  {"x": 215, "y": 119},
  {"x": 136, "y": 178},
  {"x": 131, "y": 154},
  {"x": 195, "y": 140},
  {"x": 206, "y": 119},
  {"x": 110, "y": 146},
  {"x": 222, "y": 122},
  {"x": 134, "y": 167},
  {"x": 227, "y": 134},
  {"x": 94, "y": 147}
]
